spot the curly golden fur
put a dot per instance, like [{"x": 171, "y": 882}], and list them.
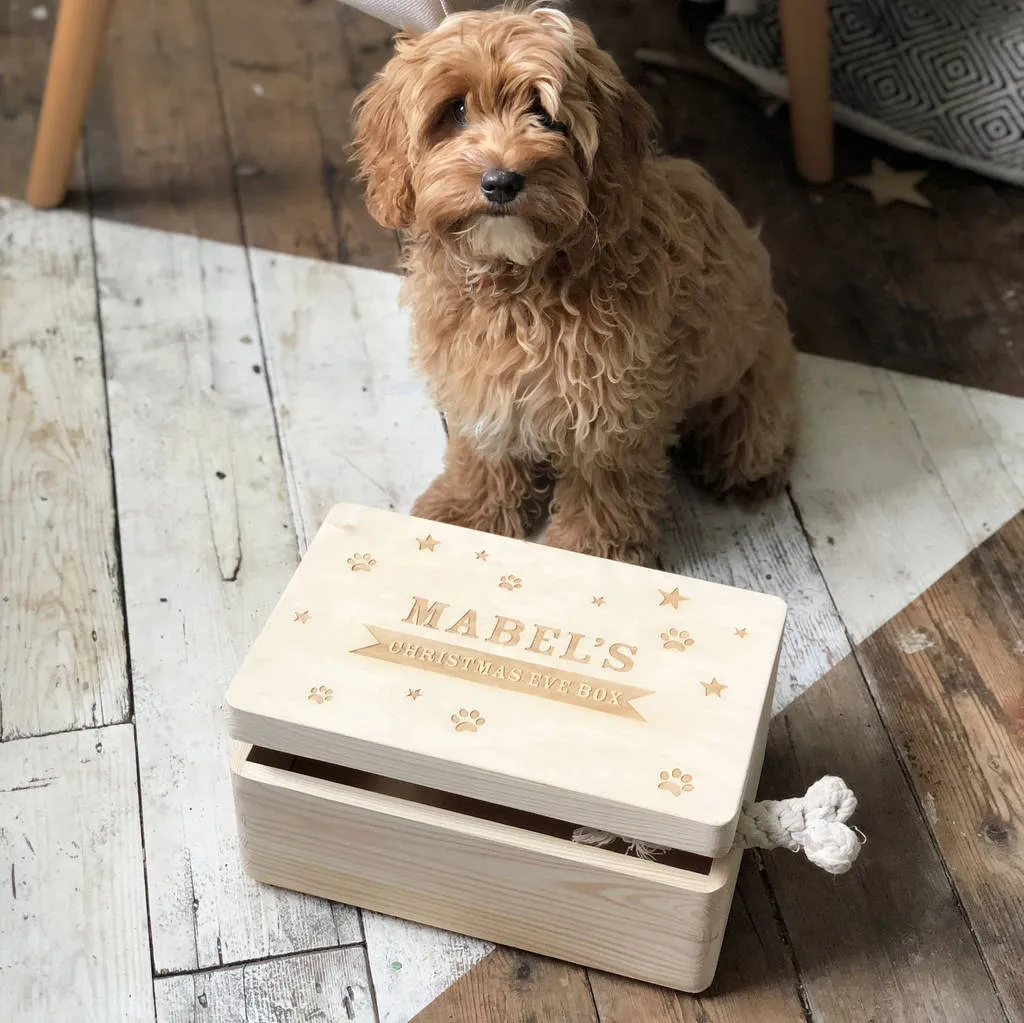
[{"x": 616, "y": 305}]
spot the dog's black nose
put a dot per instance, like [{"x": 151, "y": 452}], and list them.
[{"x": 500, "y": 185}]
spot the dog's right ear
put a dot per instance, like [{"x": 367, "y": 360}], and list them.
[{"x": 381, "y": 148}]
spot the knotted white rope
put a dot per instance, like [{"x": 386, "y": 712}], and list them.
[{"x": 814, "y": 823}]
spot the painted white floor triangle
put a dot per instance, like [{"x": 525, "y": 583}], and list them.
[
  {"x": 898, "y": 479},
  {"x": 413, "y": 965}
]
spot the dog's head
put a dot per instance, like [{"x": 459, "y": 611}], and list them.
[{"x": 506, "y": 134}]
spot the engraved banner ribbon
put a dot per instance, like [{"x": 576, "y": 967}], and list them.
[{"x": 496, "y": 669}]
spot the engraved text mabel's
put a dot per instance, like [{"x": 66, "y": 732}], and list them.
[
  {"x": 547, "y": 640},
  {"x": 496, "y": 668}
]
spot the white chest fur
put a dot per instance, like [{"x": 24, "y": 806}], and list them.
[{"x": 510, "y": 238}]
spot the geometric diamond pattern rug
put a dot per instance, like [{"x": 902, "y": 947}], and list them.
[{"x": 943, "y": 78}]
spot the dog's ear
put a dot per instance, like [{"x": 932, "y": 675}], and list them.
[
  {"x": 381, "y": 148},
  {"x": 617, "y": 139}
]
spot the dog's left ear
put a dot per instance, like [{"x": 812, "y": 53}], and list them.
[
  {"x": 617, "y": 139},
  {"x": 625, "y": 119},
  {"x": 381, "y": 148}
]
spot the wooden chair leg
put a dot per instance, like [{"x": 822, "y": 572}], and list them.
[
  {"x": 77, "y": 40},
  {"x": 806, "y": 50}
]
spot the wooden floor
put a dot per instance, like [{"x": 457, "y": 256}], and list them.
[{"x": 202, "y": 352}]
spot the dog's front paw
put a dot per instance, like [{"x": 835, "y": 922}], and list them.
[
  {"x": 584, "y": 538},
  {"x": 439, "y": 504}
]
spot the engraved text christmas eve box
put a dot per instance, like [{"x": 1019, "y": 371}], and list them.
[{"x": 429, "y": 713}]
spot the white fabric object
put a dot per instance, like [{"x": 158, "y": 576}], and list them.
[
  {"x": 814, "y": 823},
  {"x": 412, "y": 15}
]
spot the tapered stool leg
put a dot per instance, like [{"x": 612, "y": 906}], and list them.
[
  {"x": 806, "y": 51},
  {"x": 77, "y": 41}
]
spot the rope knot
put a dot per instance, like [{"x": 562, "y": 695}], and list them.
[{"x": 814, "y": 823}]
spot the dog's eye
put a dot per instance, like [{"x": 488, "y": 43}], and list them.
[
  {"x": 546, "y": 120},
  {"x": 456, "y": 112},
  {"x": 538, "y": 111}
]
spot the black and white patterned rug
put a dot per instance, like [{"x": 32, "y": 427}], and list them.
[{"x": 943, "y": 78}]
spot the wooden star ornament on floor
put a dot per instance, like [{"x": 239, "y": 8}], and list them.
[{"x": 888, "y": 186}]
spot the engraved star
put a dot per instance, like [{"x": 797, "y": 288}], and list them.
[
  {"x": 672, "y": 599},
  {"x": 598, "y": 601},
  {"x": 427, "y": 543},
  {"x": 742, "y": 633},
  {"x": 414, "y": 694},
  {"x": 302, "y": 616},
  {"x": 481, "y": 555},
  {"x": 713, "y": 688}
]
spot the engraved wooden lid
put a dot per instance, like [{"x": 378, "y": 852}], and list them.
[{"x": 594, "y": 692}]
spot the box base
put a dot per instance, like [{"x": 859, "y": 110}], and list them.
[{"x": 512, "y": 879}]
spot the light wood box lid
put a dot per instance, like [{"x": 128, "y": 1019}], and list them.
[{"x": 586, "y": 690}]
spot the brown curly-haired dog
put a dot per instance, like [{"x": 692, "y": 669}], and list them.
[{"x": 578, "y": 303}]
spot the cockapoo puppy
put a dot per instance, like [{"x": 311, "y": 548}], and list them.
[{"x": 579, "y": 304}]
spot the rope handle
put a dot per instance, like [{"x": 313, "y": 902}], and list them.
[{"x": 814, "y": 823}]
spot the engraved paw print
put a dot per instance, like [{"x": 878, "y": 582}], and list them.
[
  {"x": 320, "y": 694},
  {"x": 467, "y": 720},
  {"x": 510, "y": 582},
  {"x": 361, "y": 562},
  {"x": 674, "y": 639},
  {"x": 677, "y": 783}
]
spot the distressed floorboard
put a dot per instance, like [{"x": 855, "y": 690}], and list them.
[
  {"x": 888, "y": 941},
  {"x": 62, "y": 654},
  {"x": 356, "y": 423},
  {"x": 73, "y": 911},
  {"x": 948, "y": 673},
  {"x": 319, "y": 987},
  {"x": 208, "y": 546}
]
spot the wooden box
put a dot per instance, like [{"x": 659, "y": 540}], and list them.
[{"x": 430, "y": 712}]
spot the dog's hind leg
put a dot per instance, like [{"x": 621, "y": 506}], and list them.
[{"x": 743, "y": 442}]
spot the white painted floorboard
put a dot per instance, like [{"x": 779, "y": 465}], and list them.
[
  {"x": 62, "y": 657},
  {"x": 208, "y": 545},
  {"x": 1002, "y": 418},
  {"x": 318, "y": 987},
  {"x": 74, "y": 947},
  {"x": 972, "y": 465},
  {"x": 411, "y": 965},
  {"x": 898, "y": 480},
  {"x": 761, "y": 549},
  {"x": 356, "y": 424}
]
